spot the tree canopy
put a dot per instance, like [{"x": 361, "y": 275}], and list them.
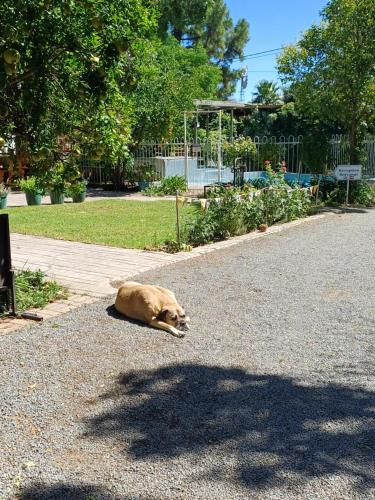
[
  {"x": 207, "y": 23},
  {"x": 67, "y": 69},
  {"x": 267, "y": 93},
  {"x": 170, "y": 78},
  {"x": 331, "y": 69}
]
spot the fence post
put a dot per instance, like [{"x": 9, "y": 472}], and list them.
[
  {"x": 186, "y": 165},
  {"x": 219, "y": 151}
]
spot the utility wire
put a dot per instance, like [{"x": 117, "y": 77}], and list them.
[{"x": 256, "y": 55}]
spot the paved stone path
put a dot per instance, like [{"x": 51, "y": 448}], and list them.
[{"x": 84, "y": 268}]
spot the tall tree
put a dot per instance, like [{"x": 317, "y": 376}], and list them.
[
  {"x": 170, "y": 77},
  {"x": 207, "y": 23},
  {"x": 267, "y": 92},
  {"x": 67, "y": 69},
  {"x": 331, "y": 70}
]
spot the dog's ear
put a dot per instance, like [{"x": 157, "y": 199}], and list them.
[{"x": 162, "y": 316}]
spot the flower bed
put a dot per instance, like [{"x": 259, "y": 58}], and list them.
[{"x": 232, "y": 212}]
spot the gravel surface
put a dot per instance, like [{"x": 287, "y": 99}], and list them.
[{"x": 271, "y": 395}]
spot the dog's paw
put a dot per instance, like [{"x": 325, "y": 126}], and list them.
[{"x": 180, "y": 334}]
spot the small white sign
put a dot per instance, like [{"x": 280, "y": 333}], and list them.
[{"x": 351, "y": 172}]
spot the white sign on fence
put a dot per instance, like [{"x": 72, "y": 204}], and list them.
[{"x": 348, "y": 172}]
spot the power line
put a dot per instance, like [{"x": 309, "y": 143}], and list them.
[{"x": 256, "y": 55}]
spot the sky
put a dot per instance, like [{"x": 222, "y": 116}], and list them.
[{"x": 273, "y": 23}]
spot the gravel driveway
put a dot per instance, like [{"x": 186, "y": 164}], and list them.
[{"x": 271, "y": 395}]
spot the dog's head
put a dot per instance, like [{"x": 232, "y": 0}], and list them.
[{"x": 174, "y": 315}]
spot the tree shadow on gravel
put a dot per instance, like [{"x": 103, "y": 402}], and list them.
[
  {"x": 273, "y": 425},
  {"x": 64, "y": 491}
]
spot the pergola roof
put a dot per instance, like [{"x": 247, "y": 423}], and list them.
[{"x": 209, "y": 104}]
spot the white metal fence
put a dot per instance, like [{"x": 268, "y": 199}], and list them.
[
  {"x": 199, "y": 161},
  {"x": 339, "y": 153}
]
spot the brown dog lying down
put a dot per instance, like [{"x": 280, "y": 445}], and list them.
[{"x": 153, "y": 305}]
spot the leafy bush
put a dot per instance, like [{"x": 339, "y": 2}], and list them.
[
  {"x": 260, "y": 182},
  {"x": 242, "y": 147},
  {"x": 4, "y": 190},
  {"x": 231, "y": 216},
  {"x": 32, "y": 185},
  {"x": 168, "y": 186},
  {"x": 32, "y": 290},
  {"x": 77, "y": 188},
  {"x": 333, "y": 192}
]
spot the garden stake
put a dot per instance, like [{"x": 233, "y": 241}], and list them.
[
  {"x": 178, "y": 220},
  {"x": 347, "y": 190},
  {"x": 317, "y": 191}
]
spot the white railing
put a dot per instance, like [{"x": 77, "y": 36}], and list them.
[
  {"x": 339, "y": 153},
  {"x": 168, "y": 158}
]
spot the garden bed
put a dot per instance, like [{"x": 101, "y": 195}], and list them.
[{"x": 34, "y": 291}]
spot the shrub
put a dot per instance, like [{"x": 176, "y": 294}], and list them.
[
  {"x": 32, "y": 290},
  {"x": 77, "y": 188},
  {"x": 231, "y": 216},
  {"x": 32, "y": 185},
  {"x": 242, "y": 147},
  {"x": 333, "y": 192},
  {"x": 4, "y": 190},
  {"x": 168, "y": 186}
]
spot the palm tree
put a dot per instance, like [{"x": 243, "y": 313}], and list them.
[{"x": 267, "y": 93}]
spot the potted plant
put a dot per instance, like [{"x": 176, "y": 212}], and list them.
[
  {"x": 33, "y": 189},
  {"x": 3, "y": 195},
  {"x": 57, "y": 184},
  {"x": 77, "y": 190},
  {"x": 145, "y": 176}
]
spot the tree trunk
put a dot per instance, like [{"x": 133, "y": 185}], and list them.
[{"x": 354, "y": 143}]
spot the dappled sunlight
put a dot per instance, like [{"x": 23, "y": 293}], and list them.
[{"x": 271, "y": 426}]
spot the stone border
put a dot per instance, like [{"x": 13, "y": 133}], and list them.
[
  {"x": 60, "y": 307},
  {"x": 52, "y": 310}
]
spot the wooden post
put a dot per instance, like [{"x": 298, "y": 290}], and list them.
[
  {"x": 178, "y": 220},
  {"x": 347, "y": 190}
]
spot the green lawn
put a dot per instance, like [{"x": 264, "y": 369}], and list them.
[{"x": 118, "y": 223}]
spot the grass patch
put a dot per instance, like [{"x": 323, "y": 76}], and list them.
[
  {"x": 33, "y": 290},
  {"x": 118, "y": 223}
]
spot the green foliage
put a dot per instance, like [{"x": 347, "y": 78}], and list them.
[
  {"x": 170, "y": 77},
  {"x": 73, "y": 73},
  {"x": 361, "y": 193},
  {"x": 32, "y": 185},
  {"x": 168, "y": 186},
  {"x": 33, "y": 290},
  {"x": 232, "y": 216},
  {"x": 61, "y": 176},
  {"x": 207, "y": 24},
  {"x": 4, "y": 190},
  {"x": 76, "y": 188},
  {"x": 331, "y": 69},
  {"x": 241, "y": 147},
  {"x": 275, "y": 174},
  {"x": 267, "y": 93}
]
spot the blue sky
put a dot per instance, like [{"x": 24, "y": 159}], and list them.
[{"x": 273, "y": 23}]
